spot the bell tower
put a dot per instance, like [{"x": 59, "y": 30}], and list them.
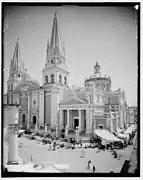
[
  {"x": 55, "y": 71},
  {"x": 55, "y": 75},
  {"x": 17, "y": 70}
]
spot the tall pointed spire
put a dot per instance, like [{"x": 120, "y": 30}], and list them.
[
  {"x": 47, "y": 51},
  {"x": 11, "y": 66},
  {"x": 17, "y": 62},
  {"x": 64, "y": 52},
  {"x": 55, "y": 42}
]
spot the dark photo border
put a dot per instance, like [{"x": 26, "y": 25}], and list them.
[{"x": 124, "y": 172}]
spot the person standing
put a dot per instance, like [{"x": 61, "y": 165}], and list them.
[
  {"x": 94, "y": 169},
  {"x": 89, "y": 164}
]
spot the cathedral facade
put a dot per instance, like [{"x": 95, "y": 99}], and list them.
[{"x": 55, "y": 103}]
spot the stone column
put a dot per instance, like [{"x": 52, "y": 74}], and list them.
[
  {"x": 46, "y": 130},
  {"x": 94, "y": 128},
  {"x": 57, "y": 130},
  {"x": 28, "y": 110},
  {"x": 111, "y": 123},
  {"x": 13, "y": 148},
  {"x": 11, "y": 116},
  {"x": 61, "y": 118},
  {"x": 116, "y": 120},
  {"x": 68, "y": 118},
  {"x": 79, "y": 114},
  {"x": 121, "y": 118},
  {"x": 88, "y": 120}
]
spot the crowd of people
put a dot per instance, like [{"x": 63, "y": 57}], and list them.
[{"x": 72, "y": 143}]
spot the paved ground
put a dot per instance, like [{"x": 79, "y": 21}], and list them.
[{"x": 103, "y": 161}]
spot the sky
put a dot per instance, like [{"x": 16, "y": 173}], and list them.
[{"x": 106, "y": 34}]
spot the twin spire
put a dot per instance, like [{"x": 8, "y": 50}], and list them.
[
  {"x": 55, "y": 47},
  {"x": 16, "y": 62}
]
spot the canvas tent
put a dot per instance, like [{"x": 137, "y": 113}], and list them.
[
  {"x": 124, "y": 136},
  {"x": 119, "y": 130},
  {"x": 130, "y": 129},
  {"x": 106, "y": 135}
]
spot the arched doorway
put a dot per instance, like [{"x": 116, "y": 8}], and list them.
[
  {"x": 23, "y": 119},
  {"x": 34, "y": 120}
]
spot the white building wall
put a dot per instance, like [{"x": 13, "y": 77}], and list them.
[{"x": 54, "y": 108}]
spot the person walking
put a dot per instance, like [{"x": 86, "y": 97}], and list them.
[
  {"x": 94, "y": 169},
  {"x": 89, "y": 164}
]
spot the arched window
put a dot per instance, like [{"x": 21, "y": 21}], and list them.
[
  {"x": 46, "y": 79},
  {"x": 60, "y": 78},
  {"x": 65, "y": 80},
  {"x": 103, "y": 86},
  {"x": 52, "y": 61},
  {"x": 52, "y": 78}
]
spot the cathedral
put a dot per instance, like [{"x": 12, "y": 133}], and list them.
[{"x": 55, "y": 103}]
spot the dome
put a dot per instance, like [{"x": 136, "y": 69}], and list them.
[{"x": 27, "y": 85}]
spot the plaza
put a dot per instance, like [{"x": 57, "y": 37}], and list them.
[{"x": 40, "y": 154}]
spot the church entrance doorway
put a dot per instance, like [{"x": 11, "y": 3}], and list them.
[
  {"x": 23, "y": 119},
  {"x": 23, "y": 125},
  {"x": 76, "y": 122},
  {"x": 34, "y": 120}
]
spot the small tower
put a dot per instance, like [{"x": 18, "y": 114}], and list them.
[{"x": 97, "y": 69}]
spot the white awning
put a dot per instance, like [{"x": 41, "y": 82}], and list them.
[
  {"x": 21, "y": 131},
  {"x": 122, "y": 135},
  {"x": 130, "y": 129},
  {"x": 119, "y": 130},
  {"x": 106, "y": 135}
]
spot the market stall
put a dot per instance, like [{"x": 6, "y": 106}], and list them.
[
  {"x": 130, "y": 129},
  {"x": 107, "y": 136}
]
